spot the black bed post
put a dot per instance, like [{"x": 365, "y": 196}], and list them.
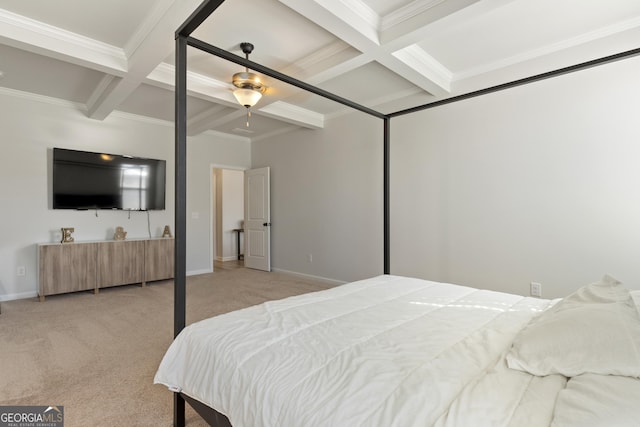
[
  {"x": 386, "y": 202},
  {"x": 179, "y": 288},
  {"x": 180, "y": 253}
]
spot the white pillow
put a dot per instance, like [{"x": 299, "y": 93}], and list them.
[
  {"x": 598, "y": 401},
  {"x": 594, "y": 330}
]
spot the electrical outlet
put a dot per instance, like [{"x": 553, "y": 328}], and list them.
[
  {"x": 536, "y": 289},
  {"x": 21, "y": 271},
  {"x": 309, "y": 258}
]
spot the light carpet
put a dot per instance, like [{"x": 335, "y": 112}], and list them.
[{"x": 96, "y": 355}]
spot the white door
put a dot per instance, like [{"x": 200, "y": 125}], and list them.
[{"x": 257, "y": 219}]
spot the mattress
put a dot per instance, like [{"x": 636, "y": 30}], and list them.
[{"x": 386, "y": 351}]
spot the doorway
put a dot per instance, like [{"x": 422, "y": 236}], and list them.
[{"x": 227, "y": 200}]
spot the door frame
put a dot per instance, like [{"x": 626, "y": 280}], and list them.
[{"x": 212, "y": 205}]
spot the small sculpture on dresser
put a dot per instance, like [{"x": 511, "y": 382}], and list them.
[
  {"x": 120, "y": 234},
  {"x": 66, "y": 234},
  {"x": 166, "y": 232}
]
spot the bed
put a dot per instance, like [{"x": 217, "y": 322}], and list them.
[
  {"x": 465, "y": 364},
  {"x": 399, "y": 351}
]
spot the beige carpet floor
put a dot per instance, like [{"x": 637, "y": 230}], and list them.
[{"x": 96, "y": 355}]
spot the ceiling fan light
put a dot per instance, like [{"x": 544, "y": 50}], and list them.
[
  {"x": 247, "y": 97},
  {"x": 247, "y": 79}
]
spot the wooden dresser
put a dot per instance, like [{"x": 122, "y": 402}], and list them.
[{"x": 82, "y": 266}]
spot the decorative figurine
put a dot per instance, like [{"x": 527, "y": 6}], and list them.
[
  {"x": 166, "y": 232},
  {"x": 120, "y": 234},
  {"x": 66, "y": 234}
]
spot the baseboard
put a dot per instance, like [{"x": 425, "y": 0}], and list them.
[
  {"x": 227, "y": 258},
  {"x": 197, "y": 272},
  {"x": 21, "y": 295},
  {"x": 24, "y": 295},
  {"x": 329, "y": 282}
]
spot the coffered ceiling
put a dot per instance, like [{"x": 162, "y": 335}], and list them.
[{"x": 117, "y": 55}]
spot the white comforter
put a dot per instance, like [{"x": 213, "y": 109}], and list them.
[{"x": 387, "y": 351}]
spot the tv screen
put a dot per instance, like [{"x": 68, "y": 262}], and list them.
[{"x": 85, "y": 180}]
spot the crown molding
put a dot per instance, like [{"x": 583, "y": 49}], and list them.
[
  {"x": 42, "y": 99},
  {"x": 407, "y": 12},
  {"x": 362, "y": 10},
  {"x": 45, "y": 39},
  {"x": 354, "y": 18}
]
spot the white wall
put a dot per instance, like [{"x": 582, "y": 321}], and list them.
[
  {"x": 326, "y": 198},
  {"x": 32, "y": 126},
  {"x": 203, "y": 152},
  {"x": 537, "y": 183}
]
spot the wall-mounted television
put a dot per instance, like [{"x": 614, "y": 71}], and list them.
[{"x": 86, "y": 180}]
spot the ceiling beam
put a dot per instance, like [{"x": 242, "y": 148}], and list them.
[
  {"x": 340, "y": 18},
  {"x": 153, "y": 48}
]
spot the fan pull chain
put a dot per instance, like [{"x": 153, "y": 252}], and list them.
[{"x": 248, "y": 116}]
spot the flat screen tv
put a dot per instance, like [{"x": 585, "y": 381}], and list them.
[{"x": 85, "y": 180}]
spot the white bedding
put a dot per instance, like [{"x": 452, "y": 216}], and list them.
[{"x": 386, "y": 351}]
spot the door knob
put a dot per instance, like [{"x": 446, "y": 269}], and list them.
[{"x": 266, "y": 224}]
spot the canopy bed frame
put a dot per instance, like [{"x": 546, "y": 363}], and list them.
[{"x": 183, "y": 40}]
